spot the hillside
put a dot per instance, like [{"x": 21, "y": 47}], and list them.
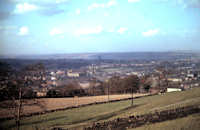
[
  {"x": 167, "y": 55},
  {"x": 84, "y": 116}
]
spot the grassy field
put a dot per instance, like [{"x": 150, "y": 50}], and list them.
[
  {"x": 163, "y": 102},
  {"x": 60, "y": 103},
  {"x": 102, "y": 112},
  {"x": 191, "y": 122}
]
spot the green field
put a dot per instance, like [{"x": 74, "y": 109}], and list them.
[
  {"x": 102, "y": 112},
  {"x": 191, "y": 122}
]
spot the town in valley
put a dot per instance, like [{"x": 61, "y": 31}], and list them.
[{"x": 91, "y": 75}]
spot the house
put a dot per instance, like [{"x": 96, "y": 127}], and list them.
[
  {"x": 72, "y": 74},
  {"x": 174, "y": 79},
  {"x": 173, "y": 89},
  {"x": 59, "y": 72},
  {"x": 85, "y": 85},
  {"x": 53, "y": 78},
  {"x": 41, "y": 94}
]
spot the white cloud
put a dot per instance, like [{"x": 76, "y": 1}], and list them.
[
  {"x": 86, "y": 31},
  {"x": 41, "y": 1},
  {"x": 78, "y": 11},
  {"x": 122, "y": 30},
  {"x": 151, "y": 32},
  {"x": 102, "y": 5},
  {"x": 61, "y": 1},
  {"x": 24, "y": 7},
  {"x": 45, "y": 7},
  {"x": 23, "y": 31},
  {"x": 133, "y": 1},
  {"x": 56, "y": 31},
  {"x": 95, "y": 5},
  {"x": 111, "y": 3},
  {"x": 183, "y": 3}
]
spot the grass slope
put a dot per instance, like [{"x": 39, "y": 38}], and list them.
[
  {"x": 191, "y": 122},
  {"x": 102, "y": 112}
]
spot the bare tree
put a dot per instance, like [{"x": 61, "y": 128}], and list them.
[
  {"x": 17, "y": 90},
  {"x": 108, "y": 92},
  {"x": 92, "y": 86},
  {"x": 132, "y": 83}
]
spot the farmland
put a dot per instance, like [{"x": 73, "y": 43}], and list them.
[
  {"x": 191, "y": 122},
  {"x": 62, "y": 103},
  {"x": 78, "y": 117}
]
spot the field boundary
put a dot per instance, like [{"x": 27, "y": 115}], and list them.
[
  {"x": 140, "y": 120},
  {"x": 72, "y": 107}
]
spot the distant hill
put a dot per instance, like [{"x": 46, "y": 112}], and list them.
[{"x": 113, "y": 56}]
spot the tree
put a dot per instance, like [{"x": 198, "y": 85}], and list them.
[
  {"x": 115, "y": 85},
  {"x": 108, "y": 91},
  {"x": 52, "y": 93},
  {"x": 68, "y": 90},
  {"x": 128, "y": 84},
  {"x": 37, "y": 70},
  {"x": 92, "y": 86},
  {"x": 147, "y": 87},
  {"x": 132, "y": 83},
  {"x": 146, "y": 83},
  {"x": 17, "y": 90}
]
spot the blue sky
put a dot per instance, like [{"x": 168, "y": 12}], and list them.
[{"x": 77, "y": 26}]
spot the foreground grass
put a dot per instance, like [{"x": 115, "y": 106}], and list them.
[
  {"x": 191, "y": 122},
  {"x": 73, "y": 116},
  {"x": 164, "y": 102},
  {"x": 102, "y": 112}
]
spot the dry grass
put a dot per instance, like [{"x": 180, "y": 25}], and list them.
[
  {"x": 60, "y": 103},
  {"x": 191, "y": 122},
  {"x": 103, "y": 112}
]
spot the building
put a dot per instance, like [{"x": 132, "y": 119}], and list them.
[
  {"x": 53, "y": 78},
  {"x": 85, "y": 85},
  {"x": 72, "y": 74},
  {"x": 174, "y": 79},
  {"x": 41, "y": 94},
  {"x": 59, "y": 72},
  {"x": 173, "y": 89}
]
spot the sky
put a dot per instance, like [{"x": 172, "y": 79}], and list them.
[{"x": 80, "y": 26}]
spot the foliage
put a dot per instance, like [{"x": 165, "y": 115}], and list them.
[
  {"x": 16, "y": 89},
  {"x": 123, "y": 85},
  {"x": 69, "y": 90}
]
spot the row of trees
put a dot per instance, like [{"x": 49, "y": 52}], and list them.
[
  {"x": 115, "y": 85},
  {"x": 70, "y": 90}
]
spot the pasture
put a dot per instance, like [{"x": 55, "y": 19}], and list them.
[
  {"x": 191, "y": 122},
  {"x": 78, "y": 117},
  {"x": 62, "y": 103}
]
